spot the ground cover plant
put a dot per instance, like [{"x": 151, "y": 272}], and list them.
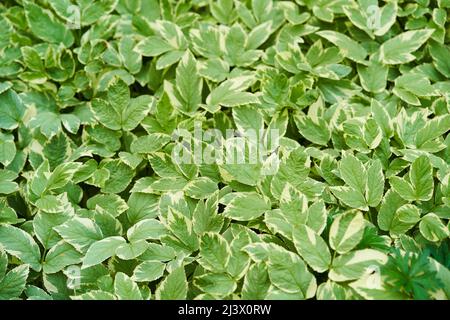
[{"x": 224, "y": 149}]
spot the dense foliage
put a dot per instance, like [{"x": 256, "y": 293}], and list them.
[{"x": 350, "y": 199}]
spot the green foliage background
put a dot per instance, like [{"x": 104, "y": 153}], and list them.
[{"x": 92, "y": 205}]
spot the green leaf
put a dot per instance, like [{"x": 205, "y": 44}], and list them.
[
  {"x": 125, "y": 288},
  {"x": 353, "y": 265},
  {"x": 45, "y": 26},
  {"x": 136, "y": 111},
  {"x": 3, "y": 263},
  {"x": 214, "y": 69},
  {"x": 375, "y": 184},
  {"x": 404, "y": 219},
  {"x": 43, "y": 224},
  {"x": 288, "y": 272},
  {"x": 248, "y": 118},
  {"x": 415, "y": 84},
  {"x": 317, "y": 217},
  {"x": 398, "y": 49},
  {"x": 246, "y": 206},
  {"x": 130, "y": 58},
  {"x": 80, "y": 233},
  {"x": 189, "y": 84},
  {"x": 353, "y": 173},
  {"x": 146, "y": 229},
  {"x": 367, "y": 183},
  {"x": 346, "y": 231},
  {"x": 50, "y": 204},
  {"x": 222, "y": 10},
  {"x": 230, "y": 93},
  {"x": 241, "y": 161},
  {"x": 216, "y": 284},
  {"x": 239, "y": 260},
  {"x": 312, "y": 248},
  {"x": 7, "y": 185},
  {"x": 180, "y": 226},
  {"x": 205, "y": 216},
  {"x": 439, "y": 53},
  {"x": 174, "y": 286},
  {"x": 278, "y": 294},
  {"x": 348, "y": 47},
  {"x": 170, "y": 32},
  {"x": 432, "y": 228},
  {"x": 372, "y": 134},
  {"x": 388, "y": 16},
  {"x": 315, "y": 130},
  {"x": 331, "y": 291},
  {"x": 350, "y": 197},
  {"x": 20, "y": 244},
  {"x": 14, "y": 282},
  {"x": 214, "y": 252},
  {"x": 372, "y": 19},
  {"x": 259, "y": 35},
  {"x": 158, "y": 253},
  {"x": 148, "y": 271},
  {"x": 142, "y": 206},
  {"x": 382, "y": 118},
  {"x": 60, "y": 256},
  {"x": 56, "y": 150},
  {"x": 120, "y": 176},
  {"x": 421, "y": 186},
  {"x": 256, "y": 282},
  {"x": 373, "y": 77},
  {"x": 62, "y": 174},
  {"x": 433, "y": 129},
  {"x": 150, "y": 143},
  {"x": 118, "y": 94},
  {"x": 153, "y": 46},
  {"x": 111, "y": 203},
  {"x": 293, "y": 205},
  {"x": 403, "y": 188},
  {"x": 200, "y": 188},
  {"x": 132, "y": 250},
  {"x": 278, "y": 223},
  {"x": 168, "y": 59},
  {"x": 7, "y": 149},
  {"x": 105, "y": 114},
  {"x": 101, "y": 250},
  {"x": 235, "y": 45},
  {"x": 294, "y": 169},
  {"x": 11, "y": 110},
  {"x": 118, "y": 111}
]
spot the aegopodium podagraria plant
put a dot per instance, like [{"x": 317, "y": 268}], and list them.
[{"x": 224, "y": 149}]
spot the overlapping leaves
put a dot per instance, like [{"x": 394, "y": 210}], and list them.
[{"x": 94, "y": 95}]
